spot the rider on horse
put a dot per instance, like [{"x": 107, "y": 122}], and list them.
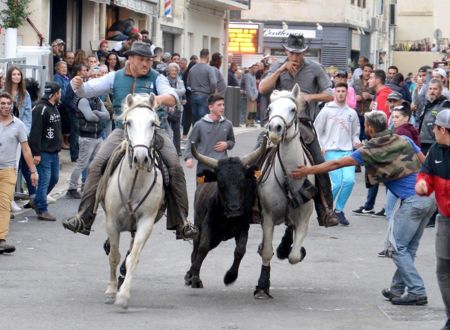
[
  {"x": 316, "y": 85},
  {"x": 136, "y": 77}
]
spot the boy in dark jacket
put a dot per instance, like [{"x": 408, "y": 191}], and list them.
[{"x": 45, "y": 143}]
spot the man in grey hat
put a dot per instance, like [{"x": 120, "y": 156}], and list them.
[
  {"x": 435, "y": 176},
  {"x": 317, "y": 86},
  {"x": 136, "y": 77}
]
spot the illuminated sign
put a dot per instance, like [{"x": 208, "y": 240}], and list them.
[{"x": 244, "y": 38}]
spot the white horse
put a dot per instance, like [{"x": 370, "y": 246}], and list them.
[
  {"x": 276, "y": 186},
  {"x": 135, "y": 192}
]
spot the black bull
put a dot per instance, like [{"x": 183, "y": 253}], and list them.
[{"x": 223, "y": 210}]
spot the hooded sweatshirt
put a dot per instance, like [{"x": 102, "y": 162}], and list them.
[
  {"x": 206, "y": 133},
  {"x": 337, "y": 128},
  {"x": 380, "y": 103},
  {"x": 45, "y": 134},
  {"x": 410, "y": 131}
]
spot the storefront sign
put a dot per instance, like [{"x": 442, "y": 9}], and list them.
[
  {"x": 244, "y": 38},
  {"x": 280, "y": 33},
  {"x": 139, "y": 6}
]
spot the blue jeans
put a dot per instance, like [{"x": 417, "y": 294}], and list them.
[
  {"x": 199, "y": 105},
  {"x": 48, "y": 170},
  {"x": 371, "y": 197},
  {"x": 342, "y": 179},
  {"x": 27, "y": 176},
  {"x": 410, "y": 221}
]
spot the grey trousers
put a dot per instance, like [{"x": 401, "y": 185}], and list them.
[
  {"x": 443, "y": 259},
  {"x": 177, "y": 208},
  {"x": 87, "y": 148}
]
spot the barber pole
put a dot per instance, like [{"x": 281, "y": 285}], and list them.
[{"x": 167, "y": 8}]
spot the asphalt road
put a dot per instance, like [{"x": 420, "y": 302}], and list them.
[{"x": 56, "y": 280}]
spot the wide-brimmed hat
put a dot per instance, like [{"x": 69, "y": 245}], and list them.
[
  {"x": 295, "y": 44},
  {"x": 141, "y": 49}
]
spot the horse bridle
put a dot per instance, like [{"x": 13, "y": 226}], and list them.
[
  {"x": 150, "y": 149},
  {"x": 287, "y": 125}
]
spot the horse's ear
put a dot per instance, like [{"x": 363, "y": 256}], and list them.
[
  {"x": 296, "y": 91},
  {"x": 152, "y": 100},
  {"x": 130, "y": 100}
]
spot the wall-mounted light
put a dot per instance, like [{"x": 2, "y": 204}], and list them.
[
  {"x": 284, "y": 26},
  {"x": 319, "y": 27}
]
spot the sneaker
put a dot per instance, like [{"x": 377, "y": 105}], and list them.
[
  {"x": 73, "y": 193},
  {"x": 410, "y": 299},
  {"x": 363, "y": 211},
  {"x": 6, "y": 248},
  {"x": 381, "y": 214},
  {"x": 45, "y": 216},
  {"x": 382, "y": 254},
  {"x": 50, "y": 199},
  {"x": 342, "y": 219},
  {"x": 15, "y": 207},
  {"x": 11, "y": 216},
  {"x": 388, "y": 294},
  {"x": 76, "y": 224}
]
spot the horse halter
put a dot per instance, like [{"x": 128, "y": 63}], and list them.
[
  {"x": 286, "y": 124},
  {"x": 150, "y": 148}
]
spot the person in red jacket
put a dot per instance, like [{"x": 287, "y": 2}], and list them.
[
  {"x": 435, "y": 176},
  {"x": 376, "y": 82}
]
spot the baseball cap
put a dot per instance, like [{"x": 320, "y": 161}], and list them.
[
  {"x": 443, "y": 118},
  {"x": 59, "y": 42},
  {"x": 50, "y": 89},
  {"x": 341, "y": 73},
  {"x": 395, "y": 96}
]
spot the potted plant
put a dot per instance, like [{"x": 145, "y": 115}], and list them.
[{"x": 11, "y": 18}]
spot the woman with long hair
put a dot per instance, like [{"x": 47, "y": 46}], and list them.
[
  {"x": 80, "y": 57},
  {"x": 112, "y": 62},
  {"x": 16, "y": 86}
]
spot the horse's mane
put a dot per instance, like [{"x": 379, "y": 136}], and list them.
[
  {"x": 299, "y": 102},
  {"x": 138, "y": 99}
]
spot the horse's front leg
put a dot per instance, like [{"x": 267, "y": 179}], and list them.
[
  {"x": 143, "y": 232},
  {"x": 298, "y": 252},
  {"x": 285, "y": 246},
  {"x": 239, "y": 252},
  {"x": 266, "y": 250},
  {"x": 114, "y": 259}
]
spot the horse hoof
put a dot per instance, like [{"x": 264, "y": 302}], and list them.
[
  {"x": 122, "y": 302},
  {"x": 262, "y": 294},
  {"x": 230, "y": 277},
  {"x": 197, "y": 284},
  {"x": 110, "y": 298},
  {"x": 187, "y": 279},
  {"x": 296, "y": 258},
  {"x": 283, "y": 252}
]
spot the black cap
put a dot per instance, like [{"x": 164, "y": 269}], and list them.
[
  {"x": 50, "y": 89},
  {"x": 342, "y": 73}
]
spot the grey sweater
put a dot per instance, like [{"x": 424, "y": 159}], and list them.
[
  {"x": 206, "y": 133},
  {"x": 202, "y": 79}
]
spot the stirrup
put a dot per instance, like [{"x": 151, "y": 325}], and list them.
[{"x": 189, "y": 231}]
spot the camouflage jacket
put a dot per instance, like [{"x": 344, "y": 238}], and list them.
[{"x": 388, "y": 156}]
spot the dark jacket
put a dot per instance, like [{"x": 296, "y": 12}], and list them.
[
  {"x": 89, "y": 124},
  {"x": 427, "y": 116},
  {"x": 410, "y": 131},
  {"x": 45, "y": 134}
]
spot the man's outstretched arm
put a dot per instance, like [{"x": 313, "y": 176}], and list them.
[{"x": 325, "y": 167}]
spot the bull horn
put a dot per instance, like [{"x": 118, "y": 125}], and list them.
[
  {"x": 205, "y": 160},
  {"x": 254, "y": 155}
]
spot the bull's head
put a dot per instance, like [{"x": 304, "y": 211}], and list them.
[{"x": 232, "y": 178}]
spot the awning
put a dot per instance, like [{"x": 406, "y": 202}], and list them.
[{"x": 140, "y": 6}]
